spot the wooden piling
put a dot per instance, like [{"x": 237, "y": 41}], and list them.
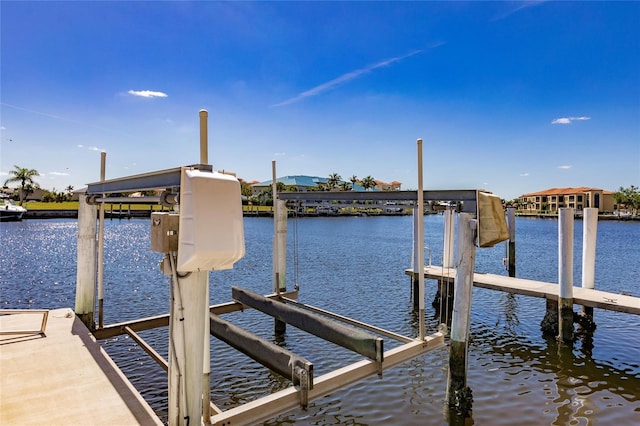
[
  {"x": 443, "y": 301},
  {"x": 279, "y": 247},
  {"x": 589, "y": 233},
  {"x": 86, "y": 269},
  {"x": 511, "y": 245},
  {"x": 565, "y": 274},
  {"x": 458, "y": 394}
]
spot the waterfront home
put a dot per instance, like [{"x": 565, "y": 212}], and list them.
[{"x": 550, "y": 200}]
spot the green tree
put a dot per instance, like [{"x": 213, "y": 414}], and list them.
[
  {"x": 345, "y": 186},
  {"x": 353, "y": 179},
  {"x": 334, "y": 180},
  {"x": 630, "y": 197},
  {"x": 69, "y": 192},
  {"x": 25, "y": 177},
  {"x": 368, "y": 183}
]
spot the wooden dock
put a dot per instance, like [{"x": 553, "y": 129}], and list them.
[
  {"x": 581, "y": 296},
  {"x": 62, "y": 377}
]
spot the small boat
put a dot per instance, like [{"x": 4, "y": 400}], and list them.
[{"x": 9, "y": 211}]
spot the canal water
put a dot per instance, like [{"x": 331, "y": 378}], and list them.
[{"x": 355, "y": 266}]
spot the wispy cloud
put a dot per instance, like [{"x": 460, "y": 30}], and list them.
[
  {"x": 91, "y": 148},
  {"x": 280, "y": 154},
  {"x": 516, "y": 7},
  {"x": 568, "y": 120},
  {"x": 524, "y": 174},
  {"x": 59, "y": 173},
  {"x": 565, "y": 167},
  {"x": 345, "y": 78},
  {"x": 147, "y": 94}
]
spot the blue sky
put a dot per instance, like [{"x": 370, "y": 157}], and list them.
[{"x": 512, "y": 97}]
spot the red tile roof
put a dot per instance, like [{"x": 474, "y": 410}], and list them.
[{"x": 563, "y": 191}]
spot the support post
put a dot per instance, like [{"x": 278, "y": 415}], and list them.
[
  {"x": 589, "y": 233},
  {"x": 186, "y": 355},
  {"x": 415, "y": 278},
  {"x": 103, "y": 157},
  {"x": 279, "y": 275},
  {"x": 420, "y": 265},
  {"x": 444, "y": 296},
  {"x": 206, "y": 361},
  {"x": 86, "y": 268},
  {"x": 204, "y": 137},
  {"x": 565, "y": 274},
  {"x": 511, "y": 244},
  {"x": 458, "y": 394}
]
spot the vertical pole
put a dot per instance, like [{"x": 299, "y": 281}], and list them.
[
  {"x": 187, "y": 335},
  {"x": 103, "y": 157},
  {"x": 420, "y": 243},
  {"x": 457, "y": 391},
  {"x": 206, "y": 361},
  {"x": 444, "y": 295},
  {"x": 281, "y": 240},
  {"x": 204, "y": 137},
  {"x": 589, "y": 233},
  {"x": 447, "y": 252},
  {"x": 511, "y": 253},
  {"x": 415, "y": 279},
  {"x": 279, "y": 327},
  {"x": 86, "y": 268},
  {"x": 565, "y": 274}
]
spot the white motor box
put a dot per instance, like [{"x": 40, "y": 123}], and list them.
[{"x": 211, "y": 232}]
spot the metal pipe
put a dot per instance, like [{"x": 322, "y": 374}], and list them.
[
  {"x": 420, "y": 245},
  {"x": 204, "y": 137},
  {"x": 103, "y": 158}
]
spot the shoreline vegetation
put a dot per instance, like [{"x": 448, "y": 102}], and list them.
[{"x": 69, "y": 209}]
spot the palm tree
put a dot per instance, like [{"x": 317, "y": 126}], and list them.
[
  {"x": 353, "y": 179},
  {"x": 69, "y": 191},
  {"x": 345, "y": 186},
  {"x": 25, "y": 177},
  {"x": 368, "y": 183},
  {"x": 334, "y": 180}
]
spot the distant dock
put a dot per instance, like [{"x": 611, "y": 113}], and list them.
[{"x": 549, "y": 291}]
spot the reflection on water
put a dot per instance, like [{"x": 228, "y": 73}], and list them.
[{"x": 354, "y": 266}]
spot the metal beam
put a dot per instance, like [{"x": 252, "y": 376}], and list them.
[
  {"x": 169, "y": 178},
  {"x": 272, "y": 356},
  {"x": 265, "y": 408},
  {"x": 148, "y": 323},
  {"x": 348, "y": 337}
]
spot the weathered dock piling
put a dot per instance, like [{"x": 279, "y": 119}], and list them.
[
  {"x": 511, "y": 244},
  {"x": 86, "y": 265},
  {"x": 443, "y": 300},
  {"x": 565, "y": 274},
  {"x": 279, "y": 248},
  {"x": 459, "y": 397},
  {"x": 589, "y": 233}
]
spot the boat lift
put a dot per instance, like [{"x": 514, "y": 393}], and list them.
[{"x": 205, "y": 233}]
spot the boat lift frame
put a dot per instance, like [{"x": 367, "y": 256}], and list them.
[{"x": 281, "y": 305}]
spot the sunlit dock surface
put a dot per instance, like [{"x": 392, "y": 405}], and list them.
[
  {"x": 581, "y": 296},
  {"x": 62, "y": 377}
]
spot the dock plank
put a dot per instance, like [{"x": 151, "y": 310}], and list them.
[
  {"x": 581, "y": 296},
  {"x": 63, "y": 377}
]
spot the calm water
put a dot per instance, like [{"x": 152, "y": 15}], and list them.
[{"x": 355, "y": 267}]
